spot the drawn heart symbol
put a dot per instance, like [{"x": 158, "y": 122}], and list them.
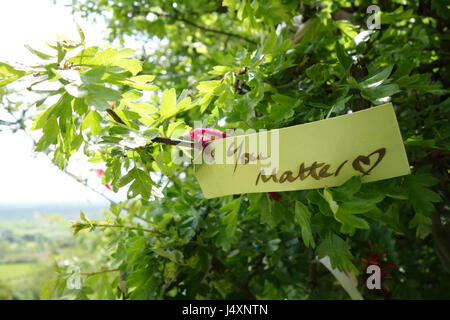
[{"x": 366, "y": 160}]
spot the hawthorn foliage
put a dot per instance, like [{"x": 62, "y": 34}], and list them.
[{"x": 246, "y": 64}]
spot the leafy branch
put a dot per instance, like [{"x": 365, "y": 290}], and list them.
[
  {"x": 77, "y": 226},
  {"x": 162, "y": 140}
]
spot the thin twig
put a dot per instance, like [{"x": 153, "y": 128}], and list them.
[
  {"x": 115, "y": 116},
  {"x": 206, "y": 29},
  {"x": 98, "y": 272},
  {"x": 127, "y": 227},
  {"x": 7, "y": 123},
  {"x": 174, "y": 142}
]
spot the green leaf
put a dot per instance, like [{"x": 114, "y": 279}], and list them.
[
  {"x": 184, "y": 105},
  {"x": 150, "y": 133},
  {"x": 348, "y": 28},
  {"x": 378, "y": 77},
  {"x": 99, "y": 96},
  {"x": 374, "y": 93},
  {"x": 266, "y": 211},
  {"x": 9, "y": 74},
  {"x": 143, "y": 78},
  {"x": 390, "y": 218},
  {"x": 361, "y": 204},
  {"x": 92, "y": 120},
  {"x": 231, "y": 219},
  {"x": 168, "y": 103},
  {"x": 143, "y": 109},
  {"x": 345, "y": 60},
  {"x": 114, "y": 57},
  {"x": 40, "y": 54},
  {"x": 348, "y": 189},
  {"x": 47, "y": 289},
  {"x": 93, "y": 76},
  {"x": 6, "y": 70},
  {"x": 142, "y": 183},
  {"x": 208, "y": 86},
  {"x": 81, "y": 33},
  {"x": 345, "y": 217},
  {"x": 302, "y": 216},
  {"x": 79, "y": 106},
  {"x": 140, "y": 82},
  {"x": 85, "y": 56},
  {"x": 205, "y": 101},
  {"x": 220, "y": 70},
  {"x": 338, "y": 251},
  {"x": 132, "y": 95},
  {"x": 327, "y": 195},
  {"x": 101, "y": 92},
  {"x": 175, "y": 255},
  {"x": 50, "y": 134},
  {"x": 419, "y": 194},
  {"x": 75, "y": 90},
  {"x": 423, "y": 225},
  {"x": 132, "y": 65}
]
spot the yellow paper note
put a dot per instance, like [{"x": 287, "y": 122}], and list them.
[{"x": 327, "y": 153}]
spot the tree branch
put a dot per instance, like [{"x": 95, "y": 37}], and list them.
[
  {"x": 115, "y": 116},
  {"x": 163, "y": 140},
  {"x": 7, "y": 123},
  {"x": 128, "y": 228},
  {"x": 174, "y": 142},
  {"x": 98, "y": 272},
  {"x": 206, "y": 29}
]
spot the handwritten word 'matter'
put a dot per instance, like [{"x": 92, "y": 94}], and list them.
[{"x": 320, "y": 170}]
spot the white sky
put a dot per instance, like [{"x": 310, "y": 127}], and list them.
[{"x": 24, "y": 176}]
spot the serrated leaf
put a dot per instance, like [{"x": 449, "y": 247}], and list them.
[
  {"x": 92, "y": 121},
  {"x": 142, "y": 183},
  {"x": 230, "y": 221},
  {"x": 338, "y": 251},
  {"x": 132, "y": 65},
  {"x": 419, "y": 194},
  {"x": 302, "y": 215}
]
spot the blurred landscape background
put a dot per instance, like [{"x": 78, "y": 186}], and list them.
[
  {"x": 32, "y": 237},
  {"x": 38, "y": 201}
]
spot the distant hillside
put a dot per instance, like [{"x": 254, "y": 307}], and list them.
[{"x": 66, "y": 210}]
